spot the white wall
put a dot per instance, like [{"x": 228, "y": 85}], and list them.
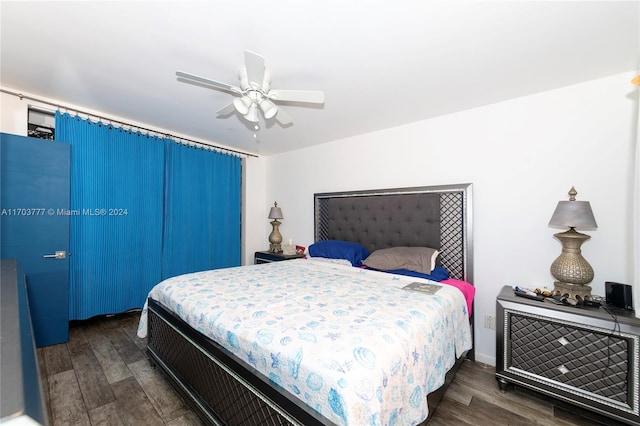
[
  {"x": 13, "y": 115},
  {"x": 522, "y": 157},
  {"x": 255, "y": 226}
]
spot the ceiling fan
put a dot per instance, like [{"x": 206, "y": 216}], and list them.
[{"x": 255, "y": 92}]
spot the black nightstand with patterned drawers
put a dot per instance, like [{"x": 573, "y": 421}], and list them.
[
  {"x": 268, "y": 257},
  {"x": 581, "y": 355}
]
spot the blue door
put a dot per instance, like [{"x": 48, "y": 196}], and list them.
[{"x": 34, "y": 209}]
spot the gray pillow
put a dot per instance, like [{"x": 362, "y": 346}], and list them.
[{"x": 418, "y": 259}]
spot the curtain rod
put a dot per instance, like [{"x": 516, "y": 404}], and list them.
[{"x": 144, "y": 129}]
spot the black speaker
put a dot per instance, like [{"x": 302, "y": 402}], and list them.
[{"x": 618, "y": 295}]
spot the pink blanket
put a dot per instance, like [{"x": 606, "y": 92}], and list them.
[{"x": 466, "y": 288}]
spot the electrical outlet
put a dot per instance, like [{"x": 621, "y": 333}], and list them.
[{"x": 490, "y": 322}]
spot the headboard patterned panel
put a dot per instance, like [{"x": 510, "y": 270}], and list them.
[{"x": 438, "y": 217}]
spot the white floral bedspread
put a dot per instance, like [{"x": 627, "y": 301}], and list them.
[{"x": 348, "y": 342}]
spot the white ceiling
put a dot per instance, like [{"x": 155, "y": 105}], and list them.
[{"x": 380, "y": 63}]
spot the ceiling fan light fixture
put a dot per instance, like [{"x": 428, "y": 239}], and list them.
[
  {"x": 255, "y": 86},
  {"x": 268, "y": 108},
  {"x": 242, "y": 104},
  {"x": 252, "y": 114}
]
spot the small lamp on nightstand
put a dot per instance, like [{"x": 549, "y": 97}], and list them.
[
  {"x": 275, "y": 238},
  {"x": 572, "y": 271}
]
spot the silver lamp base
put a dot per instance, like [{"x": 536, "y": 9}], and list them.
[
  {"x": 576, "y": 292},
  {"x": 572, "y": 271},
  {"x": 570, "y": 266},
  {"x": 275, "y": 238}
]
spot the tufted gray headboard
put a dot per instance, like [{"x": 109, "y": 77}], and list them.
[{"x": 429, "y": 216}]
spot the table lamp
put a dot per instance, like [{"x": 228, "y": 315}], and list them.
[
  {"x": 275, "y": 239},
  {"x": 572, "y": 271}
]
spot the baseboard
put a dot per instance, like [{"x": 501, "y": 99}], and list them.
[{"x": 486, "y": 359}]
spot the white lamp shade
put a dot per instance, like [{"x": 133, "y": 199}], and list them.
[
  {"x": 242, "y": 104},
  {"x": 268, "y": 108},
  {"x": 252, "y": 114}
]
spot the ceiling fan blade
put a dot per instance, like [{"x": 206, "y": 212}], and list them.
[
  {"x": 202, "y": 81},
  {"x": 255, "y": 68},
  {"x": 229, "y": 109},
  {"x": 308, "y": 96},
  {"x": 283, "y": 118}
]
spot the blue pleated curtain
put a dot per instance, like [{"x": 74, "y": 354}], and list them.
[
  {"x": 202, "y": 210},
  {"x": 132, "y": 219}
]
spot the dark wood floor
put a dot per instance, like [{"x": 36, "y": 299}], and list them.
[{"x": 102, "y": 377}]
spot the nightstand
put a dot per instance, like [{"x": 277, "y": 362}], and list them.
[
  {"x": 268, "y": 257},
  {"x": 578, "y": 354}
]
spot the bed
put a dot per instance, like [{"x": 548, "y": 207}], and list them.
[{"x": 318, "y": 341}]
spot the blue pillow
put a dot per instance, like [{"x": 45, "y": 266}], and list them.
[
  {"x": 337, "y": 249},
  {"x": 438, "y": 273}
]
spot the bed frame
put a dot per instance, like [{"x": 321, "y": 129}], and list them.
[{"x": 225, "y": 390}]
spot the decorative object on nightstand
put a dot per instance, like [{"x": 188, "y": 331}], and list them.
[
  {"x": 572, "y": 271},
  {"x": 275, "y": 238}
]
